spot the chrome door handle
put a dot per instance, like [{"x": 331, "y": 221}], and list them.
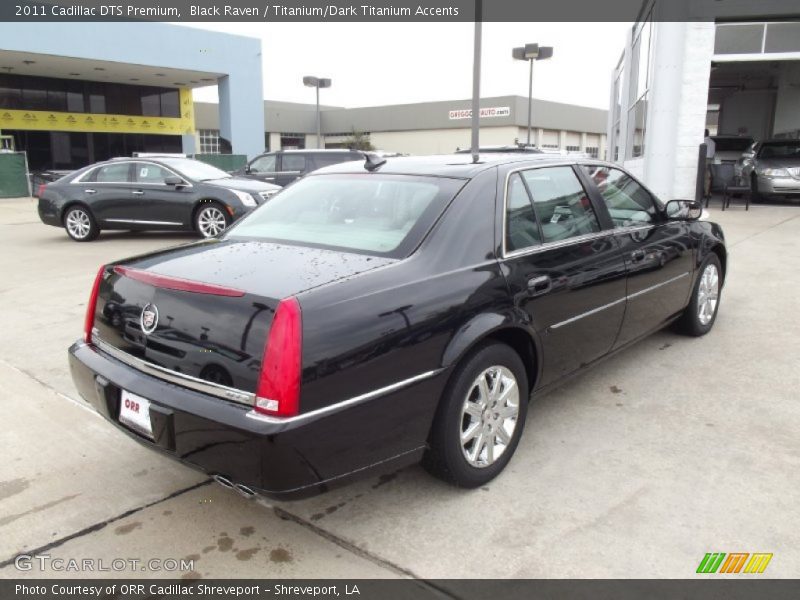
[
  {"x": 138, "y": 193},
  {"x": 540, "y": 285},
  {"x": 90, "y": 191}
]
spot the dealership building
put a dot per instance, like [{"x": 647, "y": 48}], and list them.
[
  {"x": 421, "y": 128},
  {"x": 736, "y": 73},
  {"x": 72, "y": 94}
]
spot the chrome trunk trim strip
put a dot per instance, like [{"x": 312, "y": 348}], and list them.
[{"x": 200, "y": 385}]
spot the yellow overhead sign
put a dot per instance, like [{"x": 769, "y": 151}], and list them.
[{"x": 44, "y": 120}]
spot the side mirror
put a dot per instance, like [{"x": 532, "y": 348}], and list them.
[
  {"x": 683, "y": 210},
  {"x": 174, "y": 181}
]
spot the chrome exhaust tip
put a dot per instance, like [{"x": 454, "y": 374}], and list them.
[
  {"x": 223, "y": 481},
  {"x": 245, "y": 491}
]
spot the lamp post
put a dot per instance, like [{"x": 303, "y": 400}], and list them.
[
  {"x": 317, "y": 82},
  {"x": 531, "y": 52}
]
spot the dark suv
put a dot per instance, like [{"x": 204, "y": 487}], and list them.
[{"x": 284, "y": 166}]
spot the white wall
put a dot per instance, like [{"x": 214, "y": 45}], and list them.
[
  {"x": 748, "y": 112},
  {"x": 440, "y": 141},
  {"x": 787, "y": 105}
]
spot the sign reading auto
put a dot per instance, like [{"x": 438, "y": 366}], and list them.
[{"x": 493, "y": 111}]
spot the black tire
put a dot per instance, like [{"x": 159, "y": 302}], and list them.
[
  {"x": 445, "y": 457},
  {"x": 80, "y": 224},
  {"x": 691, "y": 322},
  {"x": 211, "y": 219}
]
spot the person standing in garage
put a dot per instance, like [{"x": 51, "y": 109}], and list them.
[{"x": 711, "y": 150}]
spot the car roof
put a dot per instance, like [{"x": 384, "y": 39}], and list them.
[
  {"x": 451, "y": 165},
  {"x": 318, "y": 151}
]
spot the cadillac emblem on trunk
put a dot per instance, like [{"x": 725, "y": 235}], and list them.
[{"x": 149, "y": 318}]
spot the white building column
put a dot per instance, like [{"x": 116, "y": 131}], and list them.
[
  {"x": 678, "y": 103},
  {"x": 274, "y": 142},
  {"x": 583, "y": 141}
]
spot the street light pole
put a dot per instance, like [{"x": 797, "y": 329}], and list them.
[
  {"x": 531, "y": 52},
  {"x": 317, "y": 82},
  {"x": 476, "y": 82},
  {"x": 530, "y": 98}
]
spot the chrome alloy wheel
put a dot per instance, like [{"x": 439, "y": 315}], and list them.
[
  {"x": 211, "y": 221},
  {"x": 708, "y": 294},
  {"x": 489, "y": 416},
  {"x": 78, "y": 223}
]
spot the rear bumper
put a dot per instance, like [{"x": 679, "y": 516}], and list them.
[
  {"x": 49, "y": 212},
  {"x": 282, "y": 460}
]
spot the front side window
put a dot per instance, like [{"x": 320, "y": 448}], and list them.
[
  {"x": 263, "y": 164},
  {"x": 293, "y": 162},
  {"x": 522, "y": 231},
  {"x": 560, "y": 203},
  {"x": 628, "y": 203},
  {"x": 384, "y": 215},
  {"x": 150, "y": 173},
  {"x": 113, "y": 173}
]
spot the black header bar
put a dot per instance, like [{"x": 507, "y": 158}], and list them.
[{"x": 266, "y": 11}]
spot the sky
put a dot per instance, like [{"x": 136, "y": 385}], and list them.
[{"x": 393, "y": 63}]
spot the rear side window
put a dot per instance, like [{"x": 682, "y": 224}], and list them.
[
  {"x": 384, "y": 215},
  {"x": 118, "y": 173},
  {"x": 293, "y": 162},
  {"x": 522, "y": 231},
  {"x": 628, "y": 203},
  {"x": 560, "y": 203}
]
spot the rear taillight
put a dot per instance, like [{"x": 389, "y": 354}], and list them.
[
  {"x": 40, "y": 191},
  {"x": 278, "y": 392},
  {"x": 90, "y": 309}
]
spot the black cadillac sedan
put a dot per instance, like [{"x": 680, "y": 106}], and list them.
[
  {"x": 153, "y": 193},
  {"x": 375, "y": 315}
]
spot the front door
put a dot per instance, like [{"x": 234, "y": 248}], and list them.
[
  {"x": 658, "y": 253},
  {"x": 263, "y": 168},
  {"x": 158, "y": 204},
  {"x": 564, "y": 268}
]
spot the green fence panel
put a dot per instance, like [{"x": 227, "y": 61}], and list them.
[
  {"x": 13, "y": 175},
  {"x": 226, "y": 162}
]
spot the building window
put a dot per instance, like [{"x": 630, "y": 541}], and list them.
[
  {"x": 592, "y": 151},
  {"x": 209, "y": 141},
  {"x": 27, "y": 92},
  {"x": 616, "y": 109},
  {"x": 293, "y": 141},
  {"x": 554, "y": 146},
  {"x": 573, "y": 148},
  {"x": 639, "y": 91}
]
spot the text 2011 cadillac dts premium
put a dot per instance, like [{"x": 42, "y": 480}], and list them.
[{"x": 378, "y": 314}]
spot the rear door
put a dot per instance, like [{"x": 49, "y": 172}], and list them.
[
  {"x": 658, "y": 253},
  {"x": 563, "y": 266},
  {"x": 159, "y": 204},
  {"x": 107, "y": 190},
  {"x": 290, "y": 167}
]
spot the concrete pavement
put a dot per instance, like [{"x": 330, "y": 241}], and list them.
[{"x": 672, "y": 449}]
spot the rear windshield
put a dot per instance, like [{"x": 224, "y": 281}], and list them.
[
  {"x": 787, "y": 149},
  {"x": 383, "y": 215}
]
